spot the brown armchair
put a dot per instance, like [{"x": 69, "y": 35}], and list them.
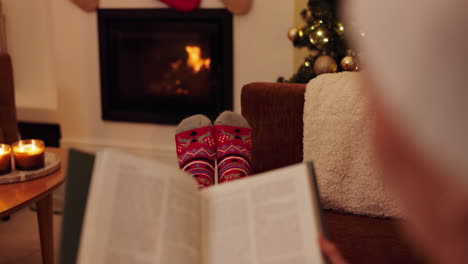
[
  {"x": 274, "y": 110},
  {"x": 8, "y": 122}
]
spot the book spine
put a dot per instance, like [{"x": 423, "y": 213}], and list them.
[{"x": 315, "y": 187}]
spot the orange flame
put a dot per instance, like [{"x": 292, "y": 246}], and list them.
[{"x": 194, "y": 60}]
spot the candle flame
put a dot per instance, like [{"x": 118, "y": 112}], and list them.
[
  {"x": 29, "y": 148},
  {"x": 194, "y": 60},
  {"x": 4, "y": 149}
]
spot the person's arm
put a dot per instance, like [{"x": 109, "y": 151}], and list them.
[{"x": 435, "y": 207}]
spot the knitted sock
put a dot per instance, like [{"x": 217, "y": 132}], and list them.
[
  {"x": 196, "y": 149},
  {"x": 232, "y": 133}
]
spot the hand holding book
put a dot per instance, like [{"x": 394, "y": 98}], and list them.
[{"x": 330, "y": 251}]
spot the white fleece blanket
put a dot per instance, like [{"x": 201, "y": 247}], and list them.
[{"x": 337, "y": 133}]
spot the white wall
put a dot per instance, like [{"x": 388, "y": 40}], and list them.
[
  {"x": 262, "y": 52},
  {"x": 29, "y": 41}
]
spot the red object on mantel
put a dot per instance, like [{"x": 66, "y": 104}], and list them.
[
  {"x": 87, "y": 5},
  {"x": 182, "y": 5}
]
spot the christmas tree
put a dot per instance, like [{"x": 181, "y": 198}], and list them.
[{"x": 324, "y": 35}]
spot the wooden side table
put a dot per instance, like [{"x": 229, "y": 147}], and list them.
[{"x": 16, "y": 196}]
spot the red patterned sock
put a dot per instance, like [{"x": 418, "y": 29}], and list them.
[
  {"x": 196, "y": 149},
  {"x": 232, "y": 133}
]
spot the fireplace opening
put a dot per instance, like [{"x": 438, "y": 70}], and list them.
[{"x": 160, "y": 65}]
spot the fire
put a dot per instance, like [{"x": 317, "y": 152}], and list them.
[{"x": 194, "y": 60}]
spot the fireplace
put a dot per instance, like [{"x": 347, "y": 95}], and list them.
[{"x": 160, "y": 65}]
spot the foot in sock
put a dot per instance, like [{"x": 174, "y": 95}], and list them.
[
  {"x": 196, "y": 149},
  {"x": 232, "y": 133}
]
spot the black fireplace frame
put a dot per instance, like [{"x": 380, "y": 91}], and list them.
[{"x": 224, "y": 71}]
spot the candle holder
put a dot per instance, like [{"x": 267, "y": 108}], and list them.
[
  {"x": 5, "y": 159},
  {"x": 29, "y": 154}
]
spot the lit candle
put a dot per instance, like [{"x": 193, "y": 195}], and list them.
[
  {"x": 5, "y": 158},
  {"x": 29, "y": 154}
]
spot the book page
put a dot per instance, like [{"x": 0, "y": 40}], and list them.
[
  {"x": 270, "y": 218},
  {"x": 140, "y": 211}
]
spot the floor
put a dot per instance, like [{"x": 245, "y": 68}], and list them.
[{"x": 19, "y": 239}]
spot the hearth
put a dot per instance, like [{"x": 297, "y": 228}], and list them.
[{"x": 160, "y": 65}]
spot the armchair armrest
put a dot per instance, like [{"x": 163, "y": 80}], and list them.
[
  {"x": 8, "y": 122},
  {"x": 274, "y": 111}
]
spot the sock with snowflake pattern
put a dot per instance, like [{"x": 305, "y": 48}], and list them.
[
  {"x": 233, "y": 146},
  {"x": 196, "y": 149}
]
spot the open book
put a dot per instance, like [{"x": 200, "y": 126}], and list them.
[{"x": 141, "y": 211}]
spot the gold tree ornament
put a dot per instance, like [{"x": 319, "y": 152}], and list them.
[
  {"x": 307, "y": 15},
  {"x": 292, "y": 33},
  {"x": 349, "y": 63},
  {"x": 325, "y": 64}
]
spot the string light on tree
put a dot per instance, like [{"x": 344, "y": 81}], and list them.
[
  {"x": 319, "y": 37},
  {"x": 339, "y": 28},
  {"x": 300, "y": 33}
]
